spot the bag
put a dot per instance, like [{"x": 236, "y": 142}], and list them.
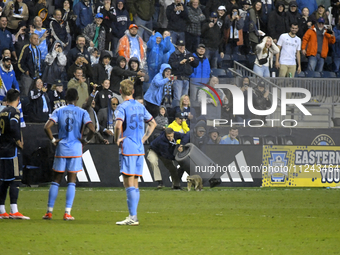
[{"x": 263, "y": 61}]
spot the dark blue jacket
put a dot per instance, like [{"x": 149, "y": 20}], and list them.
[
  {"x": 84, "y": 14},
  {"x": 163, "y": 147},
  {"x": 122, "y": 24},
  {"x": 6, "y": 40},
  {"x": 336, "y": 45}
]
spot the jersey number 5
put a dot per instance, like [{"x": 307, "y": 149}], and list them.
[{"x": 134, "y": 122}]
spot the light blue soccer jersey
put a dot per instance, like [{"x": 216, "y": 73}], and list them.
[
  {"x": 133, "y": 114},
  {"x": 70, "y": 121}
]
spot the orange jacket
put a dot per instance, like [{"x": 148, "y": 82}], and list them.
[
  {"x": 311, "y": 42},
  {"x": 124, "y": 48}
]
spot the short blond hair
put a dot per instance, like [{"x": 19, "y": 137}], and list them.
[{"x": 126, "y": 87}]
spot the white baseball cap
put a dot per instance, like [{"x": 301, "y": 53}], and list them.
[{"x": 221, "y": 8}]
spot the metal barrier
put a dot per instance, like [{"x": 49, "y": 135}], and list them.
[{"x": 325, "y": 93}]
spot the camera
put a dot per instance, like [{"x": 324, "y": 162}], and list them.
[
  {"x": 329, "y": 31},
  {"x": 179, "y": 4}
]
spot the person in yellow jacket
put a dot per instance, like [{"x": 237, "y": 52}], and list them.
[{"x": 179, "y": 125}]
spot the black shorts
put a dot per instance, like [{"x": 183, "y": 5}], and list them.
[{"x": 11, "y": 169}]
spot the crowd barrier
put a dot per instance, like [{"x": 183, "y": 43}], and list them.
[{"x": 101, "y": 164}]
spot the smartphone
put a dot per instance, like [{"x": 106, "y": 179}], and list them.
[{"x": 234, "y": 13}]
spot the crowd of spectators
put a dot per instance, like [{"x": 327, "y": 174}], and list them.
[{"x": 167, "y": 48}]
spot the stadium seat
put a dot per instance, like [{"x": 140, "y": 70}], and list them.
[
  {"x": 218, "y": 72},
  {"x": 327, "y": 74},
  {"x": 286, "y": 140},
  {"x": 268, "y": 140},
  {"x": 229, "y": 74},
  {"x": 312, "y": 74},
  {"x": 300, "y": 75},
  {"x": 246, "y": 140}
]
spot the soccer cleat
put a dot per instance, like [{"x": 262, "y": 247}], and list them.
[
  {"x": 18, "y": 216},
  {"x": 128, "y": 221},
  {"x": 4, "y": 216},
  {"x": 68, "y": 217},
  {"x": 47, "y": 216}
]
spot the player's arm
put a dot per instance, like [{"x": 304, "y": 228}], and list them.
[
  {"x": 149, "y": 129},
  {"x": 48, "y": 125},
  {"x": 15, "y": 127},
  {"x": 117, "y": 131},
  {"x": 89, "y": 136}
]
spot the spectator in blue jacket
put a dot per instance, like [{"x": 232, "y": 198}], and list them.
[
  {"x": 201, "y": 73},
  {"x": 83, "y": 10},
  {"x": 8, "y": 80},
  {"x": 169, "y": 48},
  {"x": 310, "y": 4},
  {"x": 6, "y": 37},
  {"x": 154, "y": 95},
  {"x": 336, "y": 46},
  {"x": 164, "y": 148},
  {"x": 121, "y": 25},
  {"x": 154, "y": 54},
  {"x": 7, "y": 75}
]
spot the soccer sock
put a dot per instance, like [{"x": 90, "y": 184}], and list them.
[
  {"x": 3, "y": 192},
  {"x": 137, "y": 199},
  {"x": 14, "y": 192},
  {"x": 131, "y": 194},
  {"x": 52, "y": 195},
  {"x": 70, "y": 193},
  {"x": 14, "y": 208},
  {"x": 2, "y": 209}
]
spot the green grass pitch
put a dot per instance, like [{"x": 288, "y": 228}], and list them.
[{"x": 214, "y": 221}]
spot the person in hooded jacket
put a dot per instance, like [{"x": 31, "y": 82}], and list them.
[
  {"x": 198, "y": 136},
  {"x": 119, "y": 73},
  {"x": 154, "y": 54},
  {"x": 134, "y": 66},
  {"x": 121, "y": 25},
  {"x": 103, "y": 69},
  {"x": 55, "y": 64},
  {"x": 154, "y": 95},
  {"x": 277, "y": 22},
  {"x": 292, "y": 14}
]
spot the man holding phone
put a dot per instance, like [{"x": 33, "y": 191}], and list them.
[{"x": 212, "y": 38}]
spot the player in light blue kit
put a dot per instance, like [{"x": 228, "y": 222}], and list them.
[
  {"x": 70, "y": 120},
  {"x": 130, "y": 137}
]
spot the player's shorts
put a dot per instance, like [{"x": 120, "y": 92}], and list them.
[
  {"x": 10, "y": 169},
  {"x": 131, "y": 165},
  {"x": 70, "y": 164}
]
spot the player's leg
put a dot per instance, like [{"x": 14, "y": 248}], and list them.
[
  {"x": 73, "y": 166},
  {"x": 128, "y": 167},
  {"x": 3, "y": 193},
  {"x": 13, "y": 195},
  {"x": 59, "y": 166},
  {"x": 70, "y": 194}
]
